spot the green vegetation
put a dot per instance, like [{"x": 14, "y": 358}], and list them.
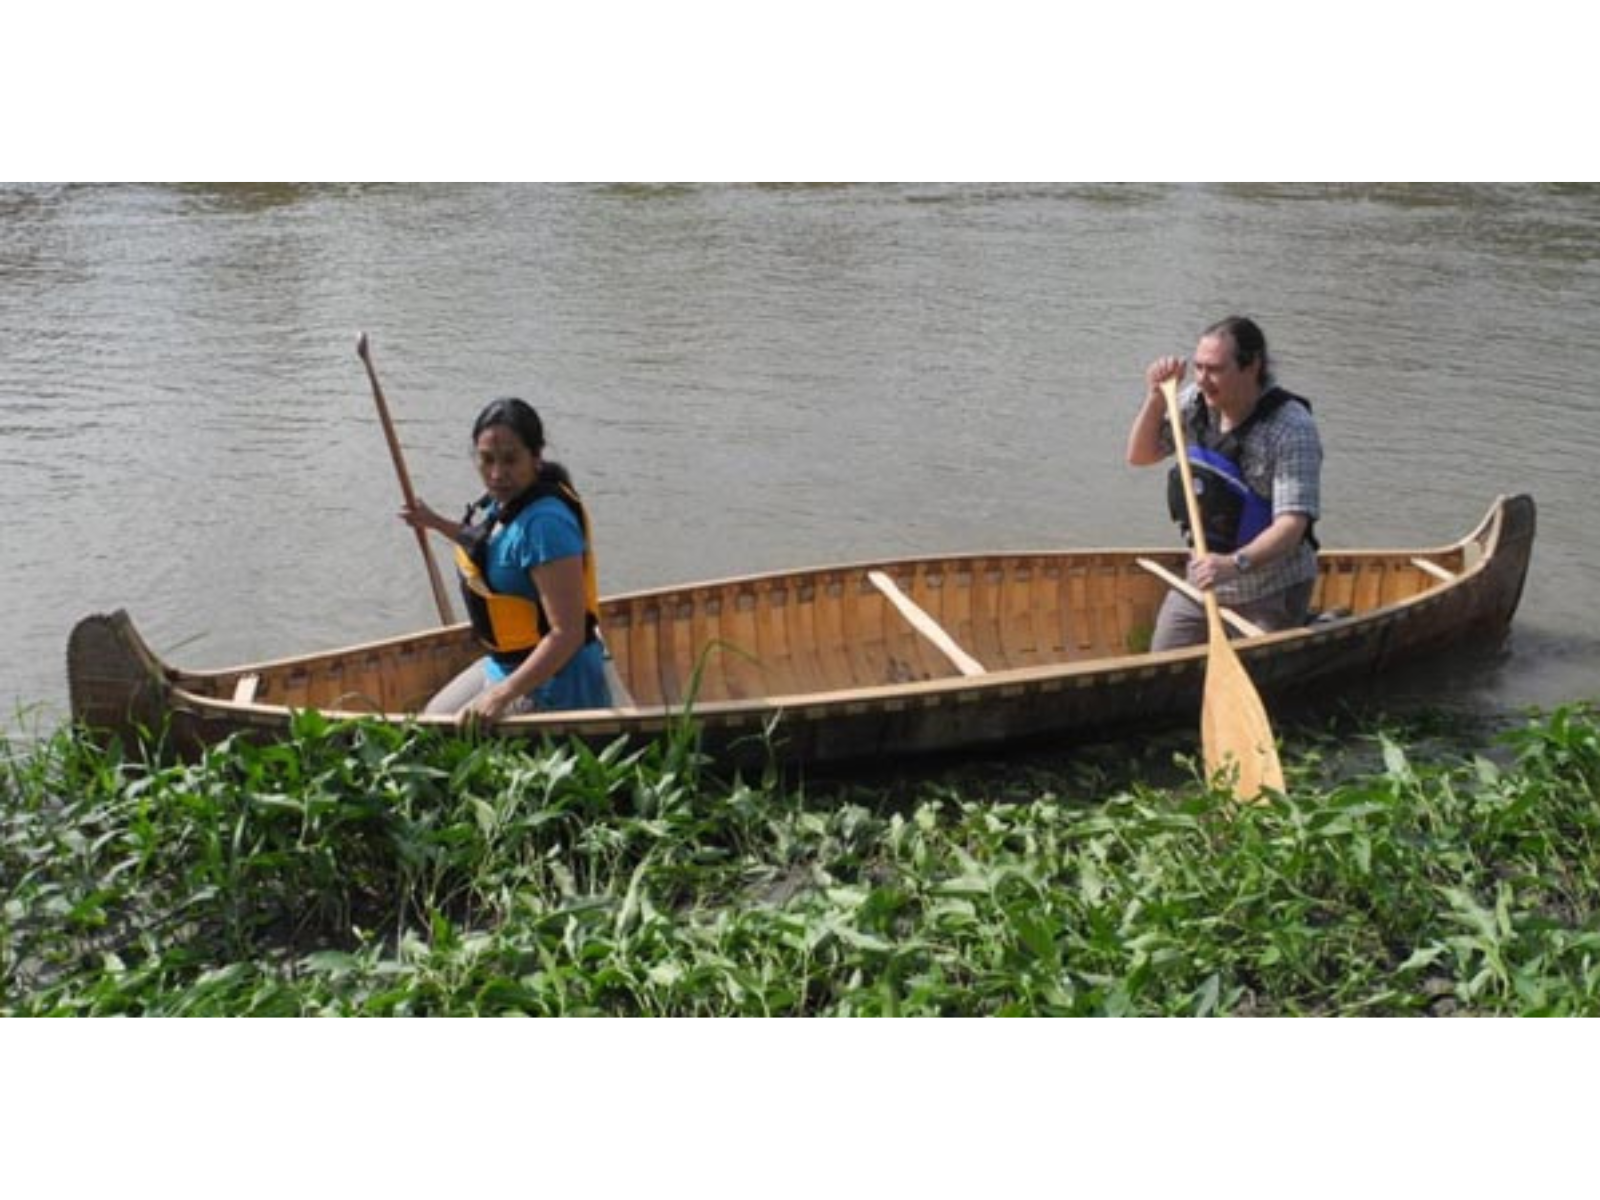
[{"x": 359, "y": 869}]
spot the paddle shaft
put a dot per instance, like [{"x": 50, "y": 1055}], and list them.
[
  {"x": 435, "y": 580},
  {"x": 1197, "y": 529},
  {"x": 1233, "y": 720}
]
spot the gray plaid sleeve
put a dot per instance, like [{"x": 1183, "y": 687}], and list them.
[{"x": 1297, "y": 465}]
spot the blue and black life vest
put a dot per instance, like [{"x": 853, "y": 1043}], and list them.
[
  {"x": 510, "y": 626},
  {"x": 1232, "y": 512}
]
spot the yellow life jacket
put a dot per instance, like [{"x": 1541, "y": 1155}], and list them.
[{"x": 509, "y": 625}]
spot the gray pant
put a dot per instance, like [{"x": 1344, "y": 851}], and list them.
[{"x": 1182, "y": 622}]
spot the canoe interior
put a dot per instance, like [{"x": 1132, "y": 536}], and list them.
[{"x": 830, "y": 630}]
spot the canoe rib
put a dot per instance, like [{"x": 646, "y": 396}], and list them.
[{"x": 958, "y": 653}]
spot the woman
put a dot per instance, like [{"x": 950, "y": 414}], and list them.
[{"x": 528, "y": 577}]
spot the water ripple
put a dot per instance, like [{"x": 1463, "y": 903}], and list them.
[{"x": 747, "y": 376}]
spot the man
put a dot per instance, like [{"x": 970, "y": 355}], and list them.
[{"x": 1257, "y": 462}]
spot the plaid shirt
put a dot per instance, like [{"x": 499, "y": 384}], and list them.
[{"x": 1281, "y": 458}]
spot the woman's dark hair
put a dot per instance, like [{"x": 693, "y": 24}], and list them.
[
  {"x": 516, "y": 415},
  {"x": 1249, "y": 343},
  {"x": 519, "y": 417}
]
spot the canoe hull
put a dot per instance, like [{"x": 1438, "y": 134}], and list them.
[{"x": 764, "y": 676}]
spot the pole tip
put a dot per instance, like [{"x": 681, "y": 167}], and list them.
[{"x": 361, "y": 344}]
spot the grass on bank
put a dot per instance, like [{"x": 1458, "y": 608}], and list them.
[{"x": 364, "y": 869}]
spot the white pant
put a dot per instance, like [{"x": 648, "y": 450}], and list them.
[{"x": 466, "y": 687}]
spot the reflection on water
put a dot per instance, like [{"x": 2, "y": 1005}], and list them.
[{"x": 750, "y": 377}]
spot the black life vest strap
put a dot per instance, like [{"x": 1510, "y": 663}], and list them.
[{"x": 1231, "y": 443}]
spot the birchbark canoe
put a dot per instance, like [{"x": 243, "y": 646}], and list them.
[{"x": 874, "y": 660}]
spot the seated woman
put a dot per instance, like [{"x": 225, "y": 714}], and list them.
[{"x": 528, "y": 576}]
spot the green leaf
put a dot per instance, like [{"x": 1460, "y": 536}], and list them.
[
  {"x": 1394, "y": 760},
  {"x": 1423, "y": 956},
  {"x": 488, "y": 819},
  {"x": 334, "y": 963}
]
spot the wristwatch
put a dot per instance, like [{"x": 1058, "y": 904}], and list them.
[{"x": 1241, "y": 561}]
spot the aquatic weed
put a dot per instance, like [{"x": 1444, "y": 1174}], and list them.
[{"x": 360, "y": 868}]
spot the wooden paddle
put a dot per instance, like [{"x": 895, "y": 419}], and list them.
[
  {"x": 1234, "y": 730},
  {"x": 440, "y": 596}
]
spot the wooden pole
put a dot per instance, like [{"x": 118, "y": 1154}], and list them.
[
  {"x": 1234, "y": 729},
  {"x": 435, "y": 580}
]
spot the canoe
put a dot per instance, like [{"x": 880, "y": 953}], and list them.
[{"x": 873, "y": 660}]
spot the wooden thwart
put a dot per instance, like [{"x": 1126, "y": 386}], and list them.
[
  {"x": 1178, "y": 583},
  {"x": 1434, "y": 569},
  {"x": 926, "y": 625},
  {"x": 244, "y": 692}
]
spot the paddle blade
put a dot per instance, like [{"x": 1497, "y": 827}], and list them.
[{"x": 1234, "y": 730}]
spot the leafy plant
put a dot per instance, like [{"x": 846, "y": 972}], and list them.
[{"x": 359, "y": 868}]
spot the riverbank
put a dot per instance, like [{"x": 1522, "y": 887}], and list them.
[{"x": 366, "y": 870}]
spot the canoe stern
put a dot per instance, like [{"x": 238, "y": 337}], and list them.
[{"x": 116, "y": 684}]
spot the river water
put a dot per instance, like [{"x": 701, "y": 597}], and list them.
[{"x": 751, "y": 377}]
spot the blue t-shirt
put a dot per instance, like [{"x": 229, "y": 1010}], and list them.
[{"x": 543, "y": 532}]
